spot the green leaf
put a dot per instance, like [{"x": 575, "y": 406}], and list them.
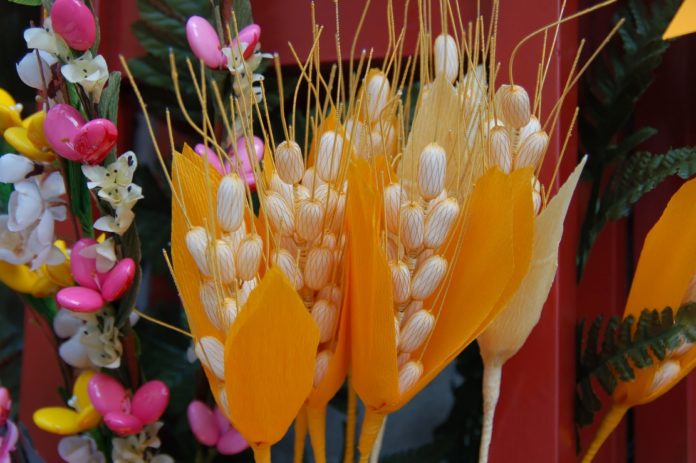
[
  {"x": 130, "y": 247},
  {"x": 80, "y": 200},
  {"x": 242, "y": 11},
  {"x": 27, "y": 2},
  {"x": 626, "y": 345},
  {"x": 108, "y": 106}
]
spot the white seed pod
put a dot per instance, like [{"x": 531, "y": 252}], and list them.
[
  {"x": 499, "y": 149},
  {"x": 223, "y": 403},
  {"x": 412, "y": 226},
  {"x": 286, "y": 263},
  {"x": 394, "y": 198},
  {"x": 231, "y": 202},
  {"x": 249, "y": 256},
  {"x": 228, "y": 314},
  {"x": 235, "y": 237},
  {"x": 223, "y": 254},
  {"x": 359, "y": 136},
  {"x": 665, "y": 373},
  {"x": 416, "y": 331},
  {"x": 301, "y": 193},
  {"x": 428, "y": 277},
  {"x": 423, "y": 256},
  {"x": 514, "y": 105},
  {"x": 532, "y": 150},
  {"x": 325, "y": 315},
  {"x": 197, "y": 243},
  {"x": 431, "y": 171},
  {"x": 318, "y": 266},
  {"x": 211, "y": 353},
  {"x": 279, "y": 214},
  {"x": 328, "y": 197},
  {"x": 536, "y": 195},
  {"x": 311, "y": 180},
  {"x": 377, "y": 91},
  {"x": 412, "y": 307},
  {"x": 401, "y": 281},
  {"x": 329, "y": 156},
  {"x": 532, "y": 126},
  {"x": 289, "y": 244},
  {"x": 392, "y": 249},
  {"x": 439, "y": 222},
  {"x": 289, "y": 162},
  {"x": 409, "y": 374},
  {"x": 211, "y": 302},
  {"x": 244, "y": 292},
  {"x": 401, "y": 359},
  {"x": 446, "y": 57},
  {"x": 321, "y": 365},
  {"x": 310, "y": 219},
  {"x": 329, "y": 240},
  {"x": 330, "y": 293},
  {"x": 339, "y": 214},
  {"x": 284, "y": 189}
]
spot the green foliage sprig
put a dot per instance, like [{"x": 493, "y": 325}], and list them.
[
  {"x": 609, "y": 92},
  {"x": 607, "y": 357}
]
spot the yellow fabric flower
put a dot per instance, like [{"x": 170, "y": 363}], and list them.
[
  {"x": 44, "y": 281},
  {"x": 29, "y": 138},
  {"x": 80, "y": 416},
  {"x": 666, "y": 269},
  {"x": 9, "y": 112}
]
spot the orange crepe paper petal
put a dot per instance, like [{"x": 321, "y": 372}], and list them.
[
  {"x": 481, "y": 268},
  {"x": 316, "y": 421},
  {"x": 373, "y": 343},
  {"x": 269, "y": 359},
  {"x": 300, "y": 435}
]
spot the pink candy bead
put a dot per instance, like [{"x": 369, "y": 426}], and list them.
[
  {"x": 79, "y": 299},
  {"x": 150, "y": 401},
  {"x": 249, "y": 36},
  {"x": 73, "y": 20},
  {"x": 84, "y": 269},
  {"x": 73, "y": 138},
  {"x": 204, "y": 42},
  {"x": 107, "y": 395},
  {"x": 123, "y": 424},
  {"x": 94, "y": 140},
  {"x": 213, "y": 159},
  {"x": 246, "y": 171},
  {"x": 118, "y": 279},
  {"x": 202, "y": 423}
]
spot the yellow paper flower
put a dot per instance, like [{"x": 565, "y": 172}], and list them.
[
  {"x": 80, "y": 416},
  {"x": 9, "y": 112},
  {"x": 663, "y": 278},
  {"x": 44, "y": 281},
  {"x": 29, "y": 138}
]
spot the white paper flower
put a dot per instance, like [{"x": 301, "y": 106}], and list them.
[
  {"x": 13, "y": 245},
  {"x": 118, "y": 224},
  {"x": 137, "y": 447},
  {"x": 93, "y": 339},
  {"x": 31, "y": 197},
  {"x": 35, "y": 69},
  {"x": 91, "y": 73},
  {"x": 115, "y": 180},
  {"x": 15, "y": 168},
  {"x": 41, "y": 242},
  {"x": 43, "y": 38},
  {"x": 104, "y": 254},
  {"x": 80, "y": 449}
]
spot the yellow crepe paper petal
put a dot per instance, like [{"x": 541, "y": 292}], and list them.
[
  {"x": 58, "y": 420},
  {"x": 22, "y": 279},
  {"x": 9, "y": 117},
  {"x": 35, "y": 130},
  {"x": 508, "y": 332},
  {"x": 6, "y": 99},
  {"x": 481, "y": 268},
  {"x": 684, "y": 22},
  {"x": 269, "y": 358},
  {"x": 18, "y": 138},
  {"x": 373, "y": 344}
]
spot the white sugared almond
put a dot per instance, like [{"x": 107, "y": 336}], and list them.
[
  {"x": 211, "y": 353},
  {"x": 412, "y": 307},
  {"x": 376, "y": 95},
  {"x": 228, "y": 314},
  {"x": 416, "y": 331},
  {"x": 279, "y": 215},
  {"x": 283, "y": 189},
  {"x": 318, "y": 266},
  {"x": 514, "y": 105},
  {"x": 197, "y": 243},
  {"x": 311, "y": 180},
  {"x": 320, "y": 366},
  {"x": 325, "y": 315},
  {"x": 394, "y": 198},
  {"x": 249, "y": 255},
  {"x": 310, "y": 219},
  {"x": 401, "y": 281},
  {"x": 409, "y": 374},
  {"x": 446, "y": 57},
  {"x": 428, "y": 277},
  {"x": 210, "y": 300},
  {"x": 286, "y": 263},
  {"x": 536, "y": 194},
  {"x": 289, "y": 162},
  {"x": 499, "y": 149},
  {"x": 532, "y": 150},
  {"x": 431, "y": 171},
  {"x": 223, "y": 254},
  {"x": 412, "y": 226},
  {"x": 329, "y": 156},
  {"x": 231, "y": 202},
  {"x": 439, "y": 221},
  {"x": 330, "y": 293}
]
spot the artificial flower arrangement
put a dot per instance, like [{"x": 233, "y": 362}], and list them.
[{"x": 370, "y": 248}]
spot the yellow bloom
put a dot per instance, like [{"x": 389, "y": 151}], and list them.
[
  {"x": 665, "y": 270},
  {"x": 44, "y": 281},
  {"x": 9, "y": 112},
  {"x": 29, "y": 138},
  {"x": 80, "y": 416}
]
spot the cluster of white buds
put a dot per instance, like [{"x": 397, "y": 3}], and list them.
[
  {"x": 416, "y": 231},
  {"x": 517, "y": 139},
  {"x": 305, "y": 209},
  {"x": 229, "y": 264},
  {"x": 373, "y": 133}
]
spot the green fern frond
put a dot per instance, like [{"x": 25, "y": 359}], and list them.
[{"x": 626, "y": 344}]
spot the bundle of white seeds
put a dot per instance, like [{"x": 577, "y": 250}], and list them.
[
  {"x": 306, "y": 211},
  {"x": 229, "y": 264}
]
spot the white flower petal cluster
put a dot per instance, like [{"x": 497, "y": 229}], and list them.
[
  {"x": 138, "y": 448},
  {"x": 240, "y": 68},
  {"x": 114, "y": 184},
  {"x": 27, "y": 231},
  {"x": 104, "y": 253},
  {"x": 93, "y": 339},
  {"x": 44, "y": 39},
  {"x": 91, "y": 73},
  {"x": 80, "y": 449}
]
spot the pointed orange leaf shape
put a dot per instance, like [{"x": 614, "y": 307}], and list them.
[{"x": 269, "y": 360}]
